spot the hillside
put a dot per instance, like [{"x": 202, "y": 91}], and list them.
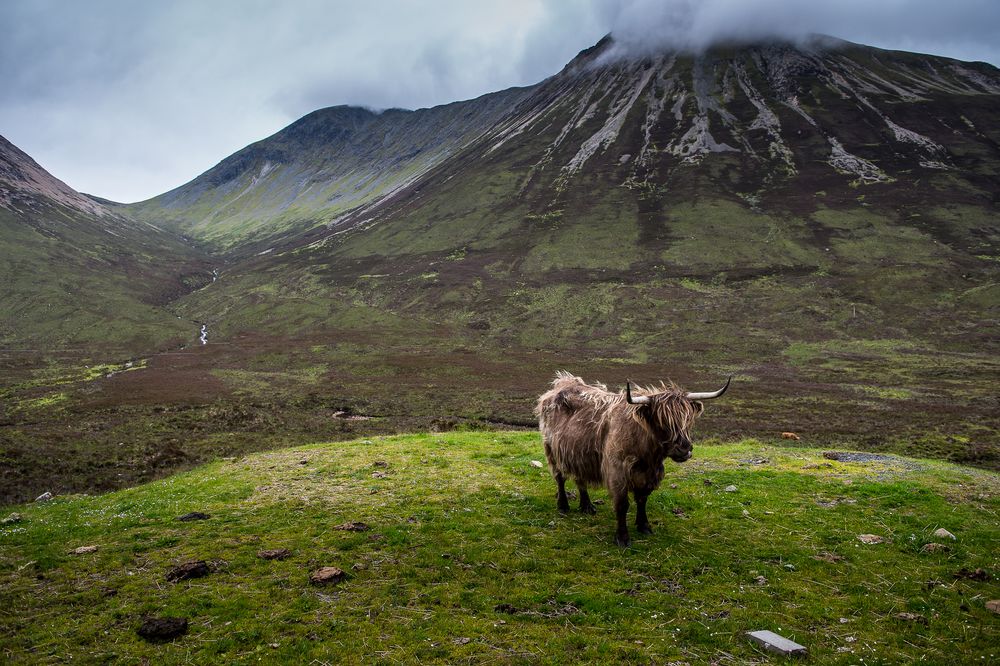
[
  {"x": 453, "y": 551},
  {"x": 79, "y": 274},
  {"x": 327, "y": 163}
]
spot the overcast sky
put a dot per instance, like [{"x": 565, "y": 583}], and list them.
[{"x": 128, "y": 99}]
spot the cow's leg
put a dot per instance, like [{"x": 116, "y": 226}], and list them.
[
  {"x": 586, "y": 506},
  {"x": 641, "y": 521},
  {"x": 620, "y": 500},
  {"x": 562, "y": 502}
]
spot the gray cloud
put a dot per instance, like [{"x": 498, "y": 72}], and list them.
[
  {"x": 127, "y": 100},
  {"x": 966, "y": 29}
]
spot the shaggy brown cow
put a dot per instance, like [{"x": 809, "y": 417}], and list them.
[{"x": 598, "y": 437}]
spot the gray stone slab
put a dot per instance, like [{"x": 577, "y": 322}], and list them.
[{"x": 775, "y": 643}]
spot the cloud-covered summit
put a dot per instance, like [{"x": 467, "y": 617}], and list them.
[{"x": 964, "y": 29}]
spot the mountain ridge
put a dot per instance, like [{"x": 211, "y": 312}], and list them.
[
  {"x": 306, "y": 184},
  {"x": 759, "y": 135},
  {"x": 22, "y": 180}
]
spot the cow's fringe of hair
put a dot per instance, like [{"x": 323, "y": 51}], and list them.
[
  {"x": 671, "y": 411},
  {"x": 669, "y": 408}
]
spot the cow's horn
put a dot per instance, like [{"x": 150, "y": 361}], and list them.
[
  {"x": 711, "y": 394},
  {"x": 641, "y": 400}
]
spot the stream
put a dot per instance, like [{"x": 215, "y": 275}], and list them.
[{"x": 203, "y": 334}]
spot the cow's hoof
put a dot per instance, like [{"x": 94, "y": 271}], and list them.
[
  {"x": 644, "y": 529},
  {"x": 622, "y": 541},
  {"x": 563, "y": 508},
  {"x": 588, "y": 508}
]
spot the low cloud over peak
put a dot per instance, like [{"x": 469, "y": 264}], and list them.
[
  {"x": 127, "y": 100},
  {"x": 965, "y": 29}
]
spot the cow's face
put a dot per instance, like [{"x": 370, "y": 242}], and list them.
[
  {"x": 669, "y": 415},
  {"x": 670, "y": 418}
]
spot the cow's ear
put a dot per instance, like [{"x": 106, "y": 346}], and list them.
[{"x": 699, "y": 407}]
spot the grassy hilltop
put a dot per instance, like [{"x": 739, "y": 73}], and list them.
[{"x": 465, "y": 560}]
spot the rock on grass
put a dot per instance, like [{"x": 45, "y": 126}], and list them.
[
  {"x": 327, "y": 576},
  {"x": 773, "y": 642},
  {"x": 162, "y": 629},
  {"x": 194, "y": 515},
  {"x": 353, "y": 526},
  {"x": 274, "y": 554},
  {"x": 83, "y": 550}
]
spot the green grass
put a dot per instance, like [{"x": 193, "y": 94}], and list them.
[{"x": 463, "y": 523}]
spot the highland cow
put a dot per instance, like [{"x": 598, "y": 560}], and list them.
[{"x": 620, "y": 440}]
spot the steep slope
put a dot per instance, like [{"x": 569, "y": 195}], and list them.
[
  {"x": 24, "y": 185},
  {"x": 310, "y": 173},
  {"x": 75, "y": 272},
  {"x": 848, "y": 173}
]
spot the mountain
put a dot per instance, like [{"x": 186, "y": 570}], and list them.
[
  {"x": 78, "y": 272},
  {"x": 329, "y": 162},
  {"x": 818, "y": 219},
  {"x": 850, "y": 171}
]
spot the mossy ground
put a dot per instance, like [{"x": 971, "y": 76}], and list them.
[{"x": 464, "y": 528}]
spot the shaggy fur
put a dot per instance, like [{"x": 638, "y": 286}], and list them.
[{"x": 595, "y": 437}]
